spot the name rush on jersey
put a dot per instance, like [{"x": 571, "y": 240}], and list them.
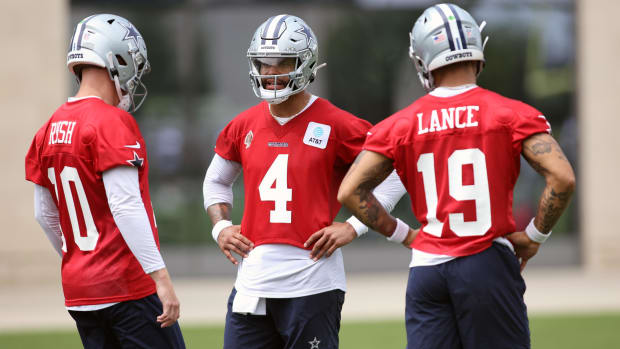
[
  {"x": 459, "y": 117},
  {"x": 61, "y": 132}
]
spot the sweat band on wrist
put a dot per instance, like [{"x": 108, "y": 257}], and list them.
[
  {"x": 400, "y": 233},
  {"x": 534, "y": 234},
  {"x": 358, "y": 226},
  {"x": 218, "y": 227}
]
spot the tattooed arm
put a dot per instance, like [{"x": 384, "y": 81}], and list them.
[
  {"x": 368, "y": 170},
  {"x": 544, "y": 154}
]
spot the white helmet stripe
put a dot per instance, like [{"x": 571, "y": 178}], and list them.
[
  {"x": 459, "y": 25},
  {"x": 278, "y": 27},
  {"x": 271, "y": 29},
  {"x": 76, "y": 41},
  {"x": 447, "y": 14},
  {"x": 446, "y": 27},
  {"x": 264, "y": 34}
]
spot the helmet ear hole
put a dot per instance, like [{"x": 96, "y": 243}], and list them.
[{"x": 121, "y": 60}]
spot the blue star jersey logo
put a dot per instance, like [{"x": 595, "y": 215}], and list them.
[
  {"x": 306, "y": 32},
  {"x": 136, "y": 161},
  {"x": 132, "y": 33}
]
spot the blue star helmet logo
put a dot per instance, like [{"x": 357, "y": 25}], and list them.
[
  {"x": 306, "y": 32},
  {"x": 132, "y": 33}
]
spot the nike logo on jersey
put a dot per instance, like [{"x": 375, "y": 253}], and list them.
[
  {"x": 317, "y": 135},
  {"x": 135, "y": 146},
  {"x": 548, "y": 124},
  {"x": 459, "y": 117}
]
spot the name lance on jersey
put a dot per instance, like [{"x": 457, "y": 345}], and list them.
[
  {"x": 454, "y": 117},
  {"x": 61, "y": 132}
]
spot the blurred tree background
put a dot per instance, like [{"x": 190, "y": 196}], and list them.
[{"x": 199, "y": 82}]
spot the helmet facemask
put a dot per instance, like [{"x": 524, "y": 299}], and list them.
[
  {"x": 133, "y": 89},
  {"x": 297, "y": 80},
  {"x": 279, "y": 38}
]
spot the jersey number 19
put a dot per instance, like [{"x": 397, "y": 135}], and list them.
[{"x": 478, "y": 192}]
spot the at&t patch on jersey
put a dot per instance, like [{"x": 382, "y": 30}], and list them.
[{"x": 317, "y": 135}]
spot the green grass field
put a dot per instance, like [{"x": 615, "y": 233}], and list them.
[{"x": 548, "y": 332}]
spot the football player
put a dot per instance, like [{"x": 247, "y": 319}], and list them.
[
  {"x": 457, "y": 150},
  {"x": 294, "y": 149},
  {"x": 90, "y": 169}
]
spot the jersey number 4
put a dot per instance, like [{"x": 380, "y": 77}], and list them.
[
  {"x": 70, "y": 174},
  {"x": 478, "y": 192},
  {"x": 279, "y": 193}
]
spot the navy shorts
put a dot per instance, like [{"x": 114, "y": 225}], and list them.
[
  {"x": 309, "y": 322},
  {"x": 469, "y": 302},
  {"x": 129, "y": 324}
]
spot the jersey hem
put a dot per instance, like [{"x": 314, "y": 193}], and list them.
[
  {"x": 91, "y": 301},
  {"x": 292, "y": 295},
  {"x": 457, "y": 252},
  {"x": 283, "y": 242}
]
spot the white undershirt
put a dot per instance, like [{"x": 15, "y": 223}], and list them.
[
  {"x": 421, "y": 258},
  {"x": 284, "y": 120},
  {"x": 280, "y": 270},
  {"x": 125, "y": 201}
]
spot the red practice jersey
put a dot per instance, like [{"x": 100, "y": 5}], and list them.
[
  {"x": 459, "y": 159},
  {"x": 291, "y": 172},
  {"x": 68, "y": 155}
]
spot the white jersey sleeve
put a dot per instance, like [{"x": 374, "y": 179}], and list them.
[
  {"x": 46, "y": 214},
  {"x": 123, "y": 191},
  {"x": 220, "y": 176}
]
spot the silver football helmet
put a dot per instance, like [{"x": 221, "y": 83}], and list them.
[
  {"x": 278, "y": 38},
  {"x": 442, "y": 35},
  {"x": 112, "y": 42}
]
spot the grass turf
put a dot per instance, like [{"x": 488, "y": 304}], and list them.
[{"x": 548, "y": 332}]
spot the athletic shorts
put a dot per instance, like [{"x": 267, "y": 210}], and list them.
[
  {"x": 310, "y": 322},
  {"x": 469, "y": 302},
  {"x": 129, "y": 324}
]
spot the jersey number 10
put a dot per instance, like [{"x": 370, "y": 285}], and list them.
[{"x": 70, "y": 174}]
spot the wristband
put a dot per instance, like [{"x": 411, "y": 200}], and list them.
[
  {"x": 534, "y": 234},
  {"x": 400, "y": 233},
  {"x": 218, "y": 227},
  {"x": 358, "y": 226}
]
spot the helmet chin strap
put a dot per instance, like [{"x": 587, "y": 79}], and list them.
[
  {"x": 277, "y": 100},
  {"x": 125, "y": 101}
]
